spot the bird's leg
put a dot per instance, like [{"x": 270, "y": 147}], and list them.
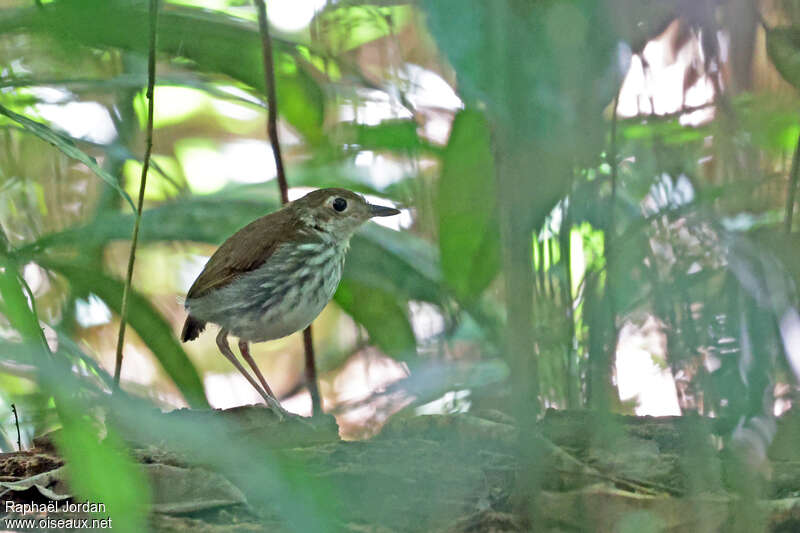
[
  {"x": 245, "y": 349},
  {"x": 224, "y": 347}
]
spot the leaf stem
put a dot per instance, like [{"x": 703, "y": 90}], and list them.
[
  {"x": 16, "y": 422},
  {"x": 151, "y": 81},
  {"x": 791, "y": 192},
  {"x": 272, "y": 133}
]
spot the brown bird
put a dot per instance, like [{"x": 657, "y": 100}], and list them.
[{"x": 275, "y": 275}]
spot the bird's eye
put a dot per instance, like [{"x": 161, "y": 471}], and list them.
[{"x": 340, "y": 204}]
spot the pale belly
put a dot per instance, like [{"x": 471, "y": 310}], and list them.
[{"x": 268, "y": 303}]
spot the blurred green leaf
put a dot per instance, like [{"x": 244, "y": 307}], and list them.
[
  {"x": 666, "y": 130},
  {"x": 15, "y": 303},
  {"x": 468, "y": 233},
  {"x": 382, "y": 316},
  {"x": 99, "y": 471},
  {"x": 783, "y": 49},
  {"x": 66, "y": 146},
  {"x": 547, "y": 68},
  {"x": 395, "y": 261},
  {"x": 154, "y": 331},
  {"x": 102, "y": 471},
  {"x": 228, "y": 46},
  {"x": 344, "y": 27},
  {"x": 397, "y": 134}
]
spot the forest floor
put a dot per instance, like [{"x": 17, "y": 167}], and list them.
[{"x": 463, "y": 473}]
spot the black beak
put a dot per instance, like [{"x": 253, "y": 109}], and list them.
[{"x": 382, "y": 211}]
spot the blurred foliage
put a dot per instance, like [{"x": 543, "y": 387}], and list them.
[{"x": 542, "y": 221}]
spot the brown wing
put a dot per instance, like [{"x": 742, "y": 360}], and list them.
[{"x": 245, "y": 250}]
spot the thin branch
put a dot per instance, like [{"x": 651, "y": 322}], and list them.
[
  {"x": 151, "y": 81},
  {"x": 272, "y": 133},
  {"x": 272, "y": 99},
  {"x": 16, "y": 422},
  {"x": 311, "y": 372},
  {"x": 792, "y": 190}
]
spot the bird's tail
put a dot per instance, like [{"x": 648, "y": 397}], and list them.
[{"x": 192, "y": 328}]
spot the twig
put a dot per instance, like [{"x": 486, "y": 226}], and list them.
[
  {"x": 792, "y": 190},
  {"x": 16, "y": 422},
  {"x": 272, "y": 133},
  {"x": 151, "y": 81}
]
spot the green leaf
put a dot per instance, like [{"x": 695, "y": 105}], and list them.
[
  {"x": 468, "y": 233},
  {"x": 384, "y": 318},
  {"x": 15, "y": 303},
  {"x": 398, "y": 134},
  {"x": 783, "y": 49},
  {"x": 546, "y": 69},
  {"x": 396, "y": 262},
  {"x": 228, "y": 46},
  {"x": 102, "y": 471},
  {"x": 156, "y": 332},
  {"x": 66, "y": 146},
  {"x": 344, "y": 28}
]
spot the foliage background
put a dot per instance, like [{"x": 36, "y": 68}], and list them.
[{"x": 576, "y": 176}]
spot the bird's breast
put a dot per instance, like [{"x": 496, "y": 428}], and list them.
[
  {"x": 283, "y": 295},
  {"x": 293, "y": 289}
]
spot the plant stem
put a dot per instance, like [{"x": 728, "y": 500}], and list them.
[
  {"x": 272, "y": 133},
  {"x": 16, "y": 422},
  {"x": 792, "y": 190},
  {"x": 151, "y": 81}
]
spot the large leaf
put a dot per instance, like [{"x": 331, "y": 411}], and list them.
[
  {"x": 66, "y": 146},
  {"x": 547, "y": 68},
  {"x": 102, "y": 470},
  {"x": 783, "y": 48},
  {"x": 379, "y": 312},
  {"x": 99, "y": 471},
  {"x": 468, "y": 233},
  {"x": 213, "y": 42},
  {"x": 156, "y": 332}
]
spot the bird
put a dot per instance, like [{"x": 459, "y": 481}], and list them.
[{"x": 276, "y": 274}]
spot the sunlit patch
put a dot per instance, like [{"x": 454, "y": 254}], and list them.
[
  {"x": 51, "y": 337},
  {"x": 235, "y": 110},
  {"x": 291, "y": 15},
  {"x": 34, "y": 276},
  {"x": 51, "y": 95},
  {"x": 139, "y": 367},
  {"x": 83, "y": 120},
  {"x": 203, "y": 165},
  {"x": 428, "y": 89},
  {"x": 299, "y": 192},
  {"x": 450, "y": 402},
  {"x": 656, "y": 79},
  {"x": 171, "y": 104},
  {"x": 383, "y": 170},
  {"x": 249, "y": 161},
  {"x": 355, "y": 385},
  {"x": 639, "y": 378},
  {"x": 667, "y": 193},
  {"x": 371, "y": 107},
  {"x": 426, "y": 320},
  {"x": 229, "y": 390},
  {"x": 91, "y": 311},
  {"x": 790, "y": 334},
  {"x": 189, "y": 271},
  {"x": 299, "y": 404}
]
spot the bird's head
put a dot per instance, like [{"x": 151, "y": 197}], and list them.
[{"x": 337, "y": 212}]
